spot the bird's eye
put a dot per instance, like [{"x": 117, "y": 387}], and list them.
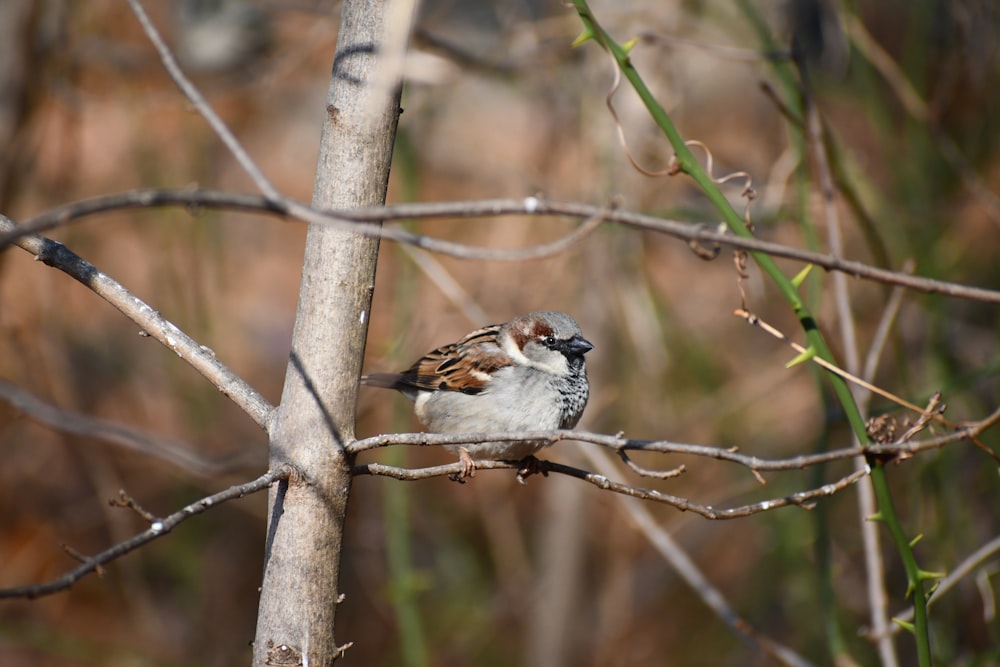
[{"x": 549, "y": 341}]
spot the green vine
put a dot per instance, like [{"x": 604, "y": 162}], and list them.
[{"x": 688, "y": 164}]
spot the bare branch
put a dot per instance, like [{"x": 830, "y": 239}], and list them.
[
  {"x": 971, "y": 563},
  {"x": 194, "y": 200},
  {"x": 880, "y": 337},
  {"x": 725, "y": 52},
  {"x": 415, "y": 474},
  {"x": 617, "y": 442},
  {"x": 691, "y": 573},
  {"x": 123, "y": 499},
  {"x": 165, "y": 449},
  {"x": 191, "y": 92},
  {"x": 878, "y": 598},
  {"x": 151, "y": 322},
  {"x": 835, "y": 241},
  {"x": 157, "y": 528},
  {"x": 910, "y": 99},
  {"x": 806, "y": 354},
  {"x": 533, "y": 206},
  {"x": 898, "y": 450},
  {"x": 801, "y": 498},
  {"x": 448, "y": 285},
  {"x": 648, "y": 472}
]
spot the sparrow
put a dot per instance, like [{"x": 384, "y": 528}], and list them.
[{"x": 527, "y": 374}]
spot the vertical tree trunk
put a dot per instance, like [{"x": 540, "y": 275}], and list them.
[{"x": 316, "y": 416}]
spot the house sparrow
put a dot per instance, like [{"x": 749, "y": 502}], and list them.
[{"x": 526, "y": 375}]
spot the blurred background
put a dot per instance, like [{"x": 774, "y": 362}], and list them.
[{"x": 497, "y": 104}]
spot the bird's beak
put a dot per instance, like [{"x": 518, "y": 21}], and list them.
[{"x": 578, "y": 345}]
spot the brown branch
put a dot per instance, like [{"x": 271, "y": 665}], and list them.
[
  {"x": 123, "y": 499},
  {"x": 965, "y": 431},
  {"x": 914, "y": 104},
  {"x": 754, "y": 320},
  {"x": 801, "y": 498},
  {"x": 416, "y": 474},
  {"x": 972, "y": 562},
  {"x": 200, "y": 103},
  {"x": 533, "y": 206},
  {"x": 898, "y": 450},
  {"x": 648, "y": 472},
  {"x": 933, "y": 412},
  {"x": 835, "y": 240},
  {"x": 150, "y": 322},
  {"x": 165, "y": 449},
  {"x": 725, "y": 52},
  {"x": 157, "y": 528},
  {"x": 691, "y": 572}
]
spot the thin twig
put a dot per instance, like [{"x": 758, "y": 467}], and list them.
[
  {"x": 966, "y": 431},
  {"x": 754, "y": 320},
  {"x": 197, "y": 99},
  {"x": 648, "y": 472},
  {"x": 448, "y": 285},
  {"x": 879, "y": 339},
  {"x": 962, "y": 570},
  {"x": 726, "y": 52},
  {"x": 533, "y": 206},
  {"x": 150, "y": 322},
  {"x": 78, "y": 556},
  {"x": 450, "y": 470},
  {"x": 157, "y": 528},
  {"x": 801, "y": 498},
  {"x": 123, "y": 499},
  {"x": 165, "y": 449},
  {"x": 845, "y": 318},
  {"x": 878, "y": 597},
  {"x": 689, "y": 571},
  {"x": 908, "y": 96}
]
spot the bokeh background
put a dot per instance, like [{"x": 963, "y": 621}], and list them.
[{"x": 497, "y": 104}]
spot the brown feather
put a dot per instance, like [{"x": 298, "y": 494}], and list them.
[{"x": 463, "y": 366}]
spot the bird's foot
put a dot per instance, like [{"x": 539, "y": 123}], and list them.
[
  {"x": 468, "y": 466},
  {"x": 529, "y": 466}
]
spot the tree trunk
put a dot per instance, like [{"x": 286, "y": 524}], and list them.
[{"x": 316, "y": 417}]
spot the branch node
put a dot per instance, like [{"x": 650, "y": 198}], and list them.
[
  {"x": 674, "y": 167},
  {"x": 647, "y": 472},
  {"x": 125, "y": 500},
  {"x": 708, "y": 252},
  {"x": 76, "y": 555},
  {"x": 282, "y": 655}
]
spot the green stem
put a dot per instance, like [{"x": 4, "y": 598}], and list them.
[
  {"x": 690, "y": 165},
  {"x": 914, "y": 575}
]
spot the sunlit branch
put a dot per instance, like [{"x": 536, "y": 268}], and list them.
[
  {"x": 158, "y": 528},
  {"x": 362, "y": 221}
]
